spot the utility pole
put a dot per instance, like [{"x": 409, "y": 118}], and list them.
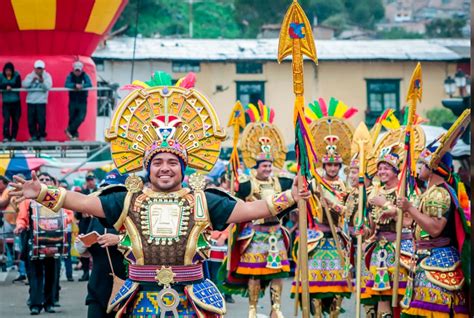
[{"x": 190, "y": 19}]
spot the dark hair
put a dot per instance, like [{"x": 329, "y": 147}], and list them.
[
  {"x": 45, "y": 174},
  {"x": 261, "y": 161},
  {"x": 8, "y": 65},
  {"x": 4, "y": 180}
]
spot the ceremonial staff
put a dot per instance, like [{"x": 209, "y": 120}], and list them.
[
  {"x": 236, "y": 121},
  {"x": 296, "y": 39},
  {"x": 413, "y": 96},
  {"x": 361, "y": 142}
]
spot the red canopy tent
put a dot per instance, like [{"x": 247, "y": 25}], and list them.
[{"x": 58, "y": 32}]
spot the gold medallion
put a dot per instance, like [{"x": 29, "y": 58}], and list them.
[
  {"x": 134, "y": 183},
  {"x": 165, "y": 276}
]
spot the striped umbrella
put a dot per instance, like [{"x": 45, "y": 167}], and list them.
[{"x": 24, "y": 163}]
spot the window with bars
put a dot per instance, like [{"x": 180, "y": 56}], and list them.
[
  {"x": 381, "y": 95},
  {"x": 249, "y": 68},
  {"x": 185, "y": 66}
]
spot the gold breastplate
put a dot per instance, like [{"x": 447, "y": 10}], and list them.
[
  {"x": 262, "y": 189},
  {"x": 375, "y": 212},
  {"x": 352, "y": 204},
  {"x": 435, "y": 202},
  {"x": 163, "y": 223},
  {"x": 337, "y": 217}
]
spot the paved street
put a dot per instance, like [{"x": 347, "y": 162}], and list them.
[{"x": 13, "y": 298}]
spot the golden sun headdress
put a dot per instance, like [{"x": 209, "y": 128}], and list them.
[
  {"x": 331, "y": 130},
  {"x": 159, "y": 117},
  {"x": 261, "y": 139}
]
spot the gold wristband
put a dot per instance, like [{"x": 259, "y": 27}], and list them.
[
  {"x": 42, "y": 194},
  {"x": 51, "y": 197},
  {"x": 279, "y": 202}
]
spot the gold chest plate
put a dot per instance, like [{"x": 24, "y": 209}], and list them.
[{"x": 164, "y": 219}]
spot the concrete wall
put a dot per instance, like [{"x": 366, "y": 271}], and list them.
[{"x": 345, "y": 81}]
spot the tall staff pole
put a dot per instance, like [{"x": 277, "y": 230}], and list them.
[
  {"x": 413, "y": 96},
  {"x": 362, "y": 140},
  {"x": 296, "y": 39}
]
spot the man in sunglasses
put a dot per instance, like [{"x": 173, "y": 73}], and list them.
[{"x": 42, "y": 262}]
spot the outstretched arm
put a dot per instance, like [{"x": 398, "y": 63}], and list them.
[
  {"x": 248, "y": 211},
  {"x": 74, "y": 201}
]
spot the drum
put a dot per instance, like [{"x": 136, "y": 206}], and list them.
[{"x": 49, "y": 237}]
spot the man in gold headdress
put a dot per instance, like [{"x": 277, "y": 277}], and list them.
[
  {"x": 328, "y": 272},
  {"x": 380, "y": 250},
  {"x": 163, "y": 129},
  {"x": 260, "y": 250},
  {"x": 441, "y": 234}
]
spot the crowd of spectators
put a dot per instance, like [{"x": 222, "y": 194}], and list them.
[{"x": 38, "y": 83}]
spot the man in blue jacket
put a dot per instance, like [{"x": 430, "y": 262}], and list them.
[{"x": 77, "y": 80}]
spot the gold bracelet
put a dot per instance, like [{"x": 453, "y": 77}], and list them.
[
  {"x": 279, "y": 202},
  {"x": 42, "y": 194},
  {"x": 52, "y": 197}
]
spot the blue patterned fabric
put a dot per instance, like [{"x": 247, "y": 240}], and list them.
[
  {"x": 441, "y": 258},
  {"x": 314, "y": 235},
  {"x": 246, "y": 232},
  {"x": 125, "y": 291},
  {"x": 407, "y": 246},
  {"x": 146, "y": 306},
  {"x": 207, "y": 293}
]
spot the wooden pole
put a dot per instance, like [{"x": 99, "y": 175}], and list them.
[{"x": 303, "y": 249}]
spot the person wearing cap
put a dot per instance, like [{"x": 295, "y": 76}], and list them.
[
  {"x": 166, "y": 223},
  {"x": 77, "y": 81},
  {"x": 11, "y": 109},
  {"x": 39, "y": 81}
]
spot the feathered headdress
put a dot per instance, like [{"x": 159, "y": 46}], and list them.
[
  {"x": 158, "y": 117},
  {"x": 261, "y": 139}
]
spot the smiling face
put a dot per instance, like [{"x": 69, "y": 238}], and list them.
[
  {"x": 264, "y": 170},
  {"x": 332, "y": 170},
  {"x": 165, "y": 173},
  {"x": 386, "y": 173}
]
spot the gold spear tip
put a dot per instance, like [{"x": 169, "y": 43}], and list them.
[{"x": 296, "y": 26}]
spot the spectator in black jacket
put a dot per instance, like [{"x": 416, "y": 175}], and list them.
[
  {"x": 77, "y": 80},
  {"x": 99, "y": 287},
  {"x": 10, "y": 79}
]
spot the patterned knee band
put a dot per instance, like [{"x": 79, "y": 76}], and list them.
[
  {"x": 51, "y": 197},
  {"x": 279, "y": 202}
]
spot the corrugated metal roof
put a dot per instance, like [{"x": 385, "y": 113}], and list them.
[{"x": 266, "y": 49}]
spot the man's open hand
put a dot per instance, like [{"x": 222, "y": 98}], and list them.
[{"x": 25, "y": 189}]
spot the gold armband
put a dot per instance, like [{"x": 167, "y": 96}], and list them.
[
  {"x": 279, "y": 202},
  {"x": 51, "y": 197}
]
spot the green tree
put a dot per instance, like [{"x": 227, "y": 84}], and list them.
[
  {"x": 438, "y": 116},
  {"x": 324, "y": 9},
  {"x": 398, "y": 33},
  {"x": 365, "y": 13},
  {"x": 445, "y": 28},
  {"x": 211, "y": 19}
]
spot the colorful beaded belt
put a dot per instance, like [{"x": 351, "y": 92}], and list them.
[{"x": 166, "y": 274}]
